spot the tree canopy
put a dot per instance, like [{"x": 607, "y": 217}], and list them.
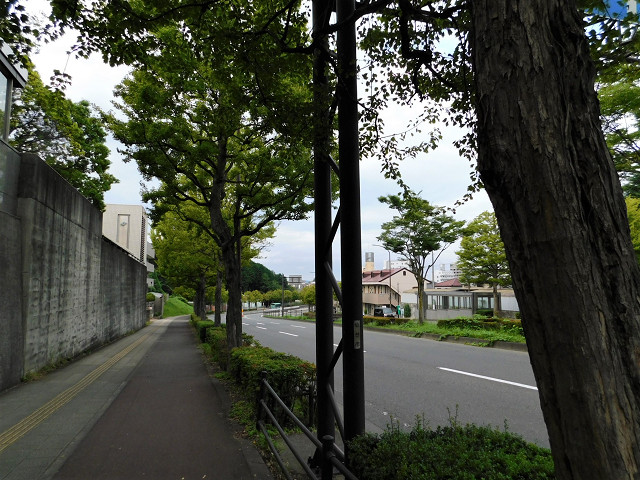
[
  {"x": 482, "y": 257},
  {"x": 256, "y": 276},
  {"x": 69, "y": 136},
  {"x": 418, "y": 230}
]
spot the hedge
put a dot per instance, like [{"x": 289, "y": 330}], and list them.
[
  {"x": 481, "y": 323},
  {"x": 381, "y": 321},
  {"x": 291, "y": 377},
  {"x": 452, "y": 452}
]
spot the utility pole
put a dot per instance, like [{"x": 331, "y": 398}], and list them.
[
  {"x": 350, "y": 230},
  {"x": 322, "y": 223}
]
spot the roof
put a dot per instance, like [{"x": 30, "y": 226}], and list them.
[
  {"x": 378, "y": 276},
  {"x": 454, "y": 282}
]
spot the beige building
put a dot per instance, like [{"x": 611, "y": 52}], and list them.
[
  {"x": 126, "y": 225},
  {"x": 385, "y": 287}
]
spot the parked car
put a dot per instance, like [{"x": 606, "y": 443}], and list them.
[{"x": 384, "y": 312}]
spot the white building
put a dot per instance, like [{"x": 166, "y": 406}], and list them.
[
  {"x": 445, "y": 274},
  {"x": 296, "y": 282},
  {"x": 396, "y": 264},
  {"x": 126, "y": 225}
]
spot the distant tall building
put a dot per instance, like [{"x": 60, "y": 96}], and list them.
[
  {"x": 369, "y": 264},
  {"x": 445, "y": 274},
  {"x": 396, "y": 264},
  {"x": 296, "y": 282}
]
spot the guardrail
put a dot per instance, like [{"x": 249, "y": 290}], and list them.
[{"x": 327, "y": 447}]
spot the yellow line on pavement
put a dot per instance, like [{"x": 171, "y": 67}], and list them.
[{"x": 28, "y": 423}]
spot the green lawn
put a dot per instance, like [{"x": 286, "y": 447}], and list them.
[{"x": 176, "y": 306}]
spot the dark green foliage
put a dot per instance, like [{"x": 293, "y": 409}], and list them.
[
  {"x": 217, "y": 339},
  {"x": 407, "y": 310},
  {"x": 256, "y": 276},
  {"x": 291, "y": 377},
  {"x": 481, "y": 323},
  {"x": 487, "y": 312},
  {"x": 201, "y": 327},
  {"x": 151, "y": 297},
  {"x": 381, "y": 321},
  {"x": 453, "y": 453}
]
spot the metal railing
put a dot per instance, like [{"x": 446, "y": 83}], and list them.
[{"x": 327, "y": 447}]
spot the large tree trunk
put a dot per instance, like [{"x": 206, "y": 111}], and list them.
[
  {"x": 218, "y": 313},
  {"x": 200, "y": 300},
  {"x": 544, "y": 162},
  {"x": 420, "y": 281},
  {"x": 232, "y": 270}
]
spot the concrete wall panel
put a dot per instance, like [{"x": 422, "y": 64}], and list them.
[
  {"x": 11, "y": 337},
  {"x": 78, "y": 290}
]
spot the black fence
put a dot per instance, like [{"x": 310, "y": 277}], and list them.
[{"x": 268, "y": 403}]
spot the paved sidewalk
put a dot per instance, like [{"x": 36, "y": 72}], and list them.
[{"x": 143, "y": 407}]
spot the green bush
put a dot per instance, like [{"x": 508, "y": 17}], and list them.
[
  {"x": 485, "y": 312},
  {"x": 201, "y": 327},
  {"x": 217, "y": 338},
  {"x": 407, "y": 310},
  {"x": 382, "y": 321},
  {"x": 453, "y": 452},
  {"x": 151, "y": 297},
  {"x": 291, "y": 377},
  {"x": 481, "y": 323}
]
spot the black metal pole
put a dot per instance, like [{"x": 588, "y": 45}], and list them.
[
  {"x": 350, "y": 230},
  {"x": 322, "y": 222}
]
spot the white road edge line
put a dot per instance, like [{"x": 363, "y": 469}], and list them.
[
  {"x": 290, "y": 334},
  {"x": 522, "y": 385}
]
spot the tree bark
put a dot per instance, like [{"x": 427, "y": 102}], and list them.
[
  {"x": 218, "y": 313},
  {"x": 420, "y": 281},
  {"x": 545, "y": 165},
  {"x": 199, "y": 303}
]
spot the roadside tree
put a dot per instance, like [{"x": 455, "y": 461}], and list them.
[
  {"x": 204, "y": 122},
  {"x": 69, "y": 136},
  {"x": 545, "y": 164},
  {"x": 308, "y": 296},
  {"x": 186, "y": 256},
  {"x": 418, "y": 230},
  {"x": 482, "y": 258}
]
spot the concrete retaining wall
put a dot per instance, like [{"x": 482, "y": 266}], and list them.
[{"x": 64, "y": 289}]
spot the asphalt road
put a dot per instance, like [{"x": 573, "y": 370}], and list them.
[{"x": 407, "y": 377}]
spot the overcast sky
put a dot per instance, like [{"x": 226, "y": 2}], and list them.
[{"x": 442, "y": 176}]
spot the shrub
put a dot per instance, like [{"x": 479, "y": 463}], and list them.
[
  {"x": 453, "y": 452},
  {"x": 201, "y": 327},
  {"x": 216, "y": 337},
  {"x": 485, "y": 312},
  {"x": 407, "y": 310},
  {"x": 291, "y": 377},
  {"x": 382, "y": 321},
  {"x": 482, "y": 323},
  {"x": 151, "y": 297}
]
